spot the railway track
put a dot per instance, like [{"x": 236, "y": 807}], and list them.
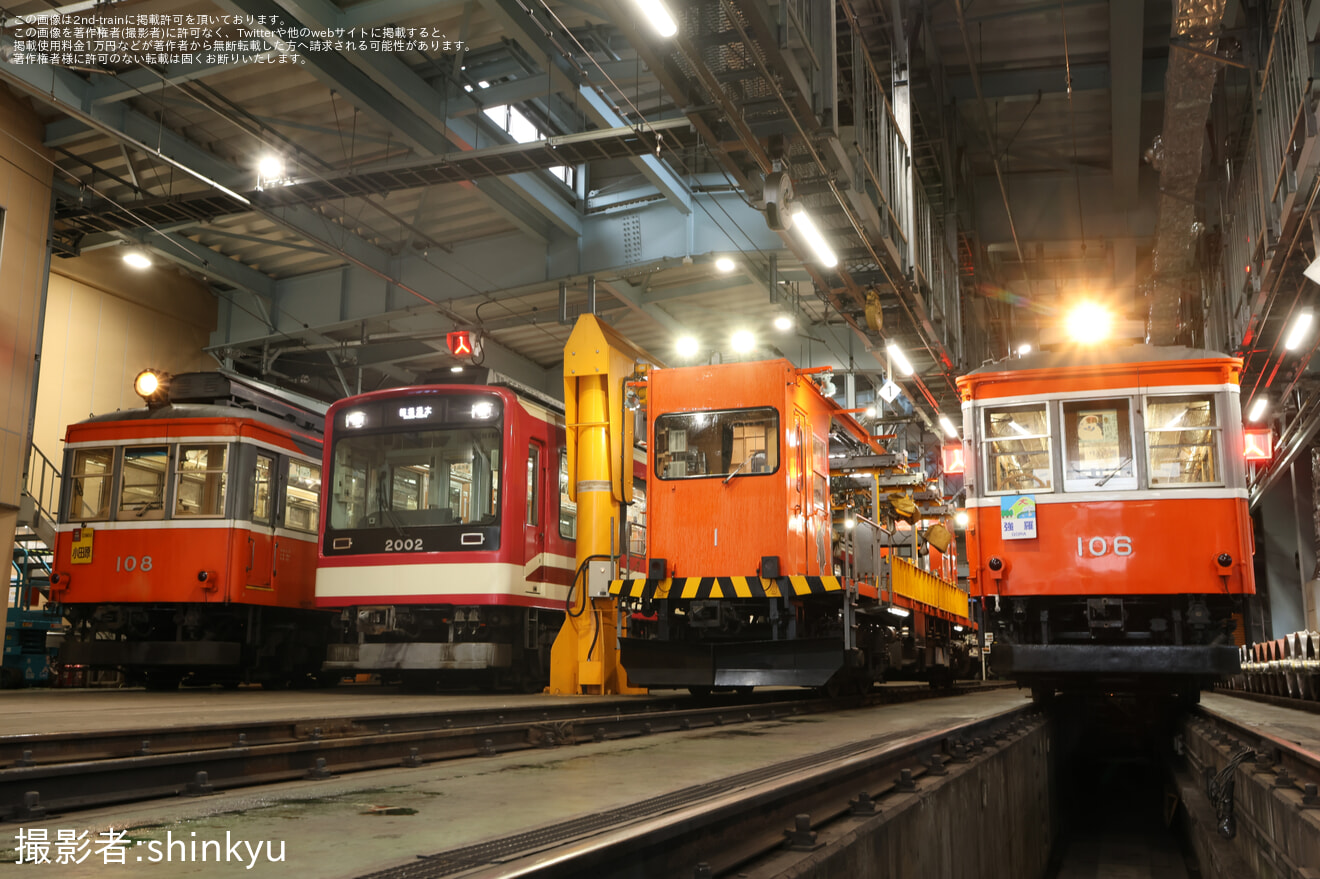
[
  {"x": 756, "y": 823},
  {"x": 42, "y": 774}
]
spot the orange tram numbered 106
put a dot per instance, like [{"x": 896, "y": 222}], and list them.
[
  {"x": 758, "y": 573},
  {"x": 1110, "y": 541},
  {"x": 186, "y": 547},
  {"x": 447, "y": 539}
]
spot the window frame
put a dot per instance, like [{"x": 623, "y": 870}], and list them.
[
  {"x": 1117, "y": 482},
  {"x": 110, "y": 476},
  {"x": 982, "y": 427},
  {"x": 288, "y": 497},
  {"x": 146, "y": 514},
  {"x": 776, "y": 431},
  {"x": 179, "y": 454},
  {"x": 1216, "y": 399}
]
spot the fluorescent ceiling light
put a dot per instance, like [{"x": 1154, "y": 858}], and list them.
[
  {"x": 1258, "y": 407},
  {"x": 900, "y": 360},
  {"x": 948, "y": 427},
  {"x": 657, "y": 15},
  {"x": 1300, "y": 327},
  {"x": 802, "y": 220}
]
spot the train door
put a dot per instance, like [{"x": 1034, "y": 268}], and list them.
[
  {"x": 820, "y": 559},
  {"x": 533, "y": 518},
  {"x": 293, "y": 568},
  {"x": 800, "y": 493},
  {"x": 261, "y": 537}
]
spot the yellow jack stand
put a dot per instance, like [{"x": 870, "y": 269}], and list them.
[{"x": 597, "y": 363}]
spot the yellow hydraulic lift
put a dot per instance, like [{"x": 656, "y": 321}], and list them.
[{"x": 598, "y": 363}]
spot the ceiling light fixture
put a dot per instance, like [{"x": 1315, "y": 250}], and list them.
[
  {"x": 686, "y": 347},
  {"x": 948, "y": 427},
  {"x": 783, "y": 323},
  {"x": 743, "y": 342},
  {"x": 803, "y": 222},
  {"x": 900, "y": 359},
  {"x": 1258, "y": 407},
  {"x": 270, "y": 167},
  {"x": 137, "y": 259},
  {"x": 1024, "y": 349},
  {"x": 657, "y": 14},
  {"x": 1300, "y": 327},
  {"x": 724, "y": 264}
]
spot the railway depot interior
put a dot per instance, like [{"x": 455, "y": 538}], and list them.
[{"x": 974, "y": 325}]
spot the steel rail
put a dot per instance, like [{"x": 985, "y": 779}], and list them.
[
  {"x": 1273, "y": 753},
  {"x": 732, "y": 822},
  {"x": 1291, "y": 702},
  {"x": 161, "y": 763}
]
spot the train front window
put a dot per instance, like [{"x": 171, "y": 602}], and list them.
[
  {"x": 1097, "y": 439},
  {"x": 740, "y": 442},
  {"x": 93, "y": 475},
  {"x": 200, "y": 490},
  {"x": 1182, "y": 440},
  {"x": 441, "y": 476},
  {"x": 142, "y": 495},
  {"x": 1018, "y": 449}
]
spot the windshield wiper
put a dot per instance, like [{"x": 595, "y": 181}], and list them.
[
  {"x": 1112, "y": 473},
  {"x": 742, "y": 464},
  {"x": 383, "y": 508}
]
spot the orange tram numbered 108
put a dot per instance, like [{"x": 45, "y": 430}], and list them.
[
  {"x": 1110, "y": 540},
  {"x": 758, "y": 574},
  {"x": 186, "y": 536},
  {"x": 447, "y": 538}
]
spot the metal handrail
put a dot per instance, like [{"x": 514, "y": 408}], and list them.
[{"x": 46, "y": 491}]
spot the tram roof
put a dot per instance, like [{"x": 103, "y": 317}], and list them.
[{"x": 1108, "y": 356}]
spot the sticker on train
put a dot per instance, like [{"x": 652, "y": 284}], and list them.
[
  {"x": 1017, "y": 517},
  {"x": 81, "y": 551}
]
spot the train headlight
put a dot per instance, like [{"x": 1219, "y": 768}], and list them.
[
  {"x": 483, "y": 410},
  {"x": 1089, "y": 323},
  {"x": 151, "y": 385},
  {"x": 355, "y": 419},
  {"x": 995, "y": 563},
  {"x": 1225, "y": 560}
]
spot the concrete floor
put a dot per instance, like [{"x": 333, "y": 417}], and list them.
[{"x": 339, "y": 828}]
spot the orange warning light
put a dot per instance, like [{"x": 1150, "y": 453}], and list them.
[
  {"x": 1258, "y": 444},
  {"x": 460, "y": 343},
  {"x": 953, "y": 458}
]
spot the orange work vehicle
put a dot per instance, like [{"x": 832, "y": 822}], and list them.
[
  {"x": 186, "y": 543},
  {"x": 1110, "y": 539},
  {"x": 743, "y": 588}
]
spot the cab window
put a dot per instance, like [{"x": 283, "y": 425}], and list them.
[
  {"x": 93, "y": 475},
  {"x": 302, "y": 496},
  {"x": 1017, "y": 449},
  {"x": 1097, "y": 440},
  {"x": 1182, "y": 440},
  {"x": 142, "y": 495},
  {"x": 261, "y": 509},
  {"x": 738, "y": 442}
]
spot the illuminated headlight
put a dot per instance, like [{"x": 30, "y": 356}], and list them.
[
  {"x": 483, "y": 410},
  {"x": 957, "y": 628},
  {"x": 149, "y": 383},
  {"x": 355, "y": 419},
  {"x": 899, "y": 611}
]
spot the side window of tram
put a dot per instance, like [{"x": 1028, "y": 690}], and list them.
[
  {"x": 1097, "y": 439},
  {"x": 1017, "y": 449},
  {"x": 302, "y": 497},
  {"x": 261, "y": 489},
  {"x": 93, "y": 476},
  {"x": 1182, "y": 440},
  {"x": 201, "y": 481},
  {"x": 567, "y": 509},
  {"x": 142, "y": 495}
]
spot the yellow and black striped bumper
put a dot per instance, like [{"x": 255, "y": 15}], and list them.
[{"x": 725, "y": 587}]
